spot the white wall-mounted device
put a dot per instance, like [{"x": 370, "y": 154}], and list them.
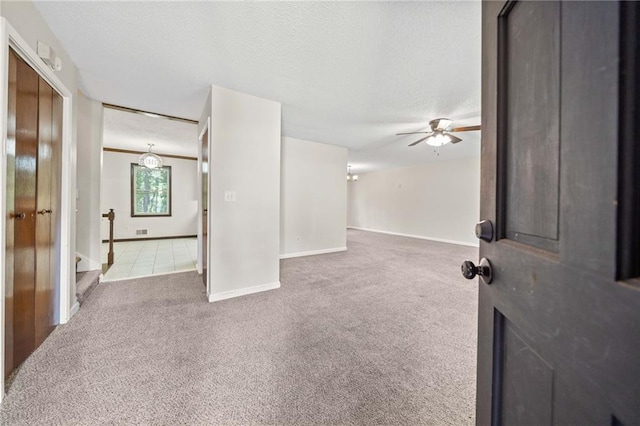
[{"x": 46, "y": 53}]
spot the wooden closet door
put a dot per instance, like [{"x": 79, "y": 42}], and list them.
[
  {"x": 44, "y": 321},
  {"x": 23, "y": 215},
  {"x": 34, "y": 139},
  {"x": 12, "y": 96}
]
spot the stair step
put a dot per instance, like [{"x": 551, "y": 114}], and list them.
[{"x": 86, "y": 282}]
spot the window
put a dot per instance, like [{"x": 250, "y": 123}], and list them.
[{"x": 150, "y": 191}]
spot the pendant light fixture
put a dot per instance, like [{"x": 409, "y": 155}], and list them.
[
  {"x": 150, "y": 160},
  {"x": 350, "y": 177}
]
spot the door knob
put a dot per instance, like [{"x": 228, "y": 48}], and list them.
[
  {"x": 42, "y": 212},
  {"x": 17, "y": 215},
  {"x": 469, "y": 270},
  {"x": 484, "y": 230}
]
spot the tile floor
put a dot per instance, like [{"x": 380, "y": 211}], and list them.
[{"x": 151, "y": 257}]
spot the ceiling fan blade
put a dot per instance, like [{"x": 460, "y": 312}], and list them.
[
  {"x": 410, "y": 133},
  {"x": 465, "y": 129},
  {"x": 420, "y": 140},
  {"x": 454, "y": 139}
]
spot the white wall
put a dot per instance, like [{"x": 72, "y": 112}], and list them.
[
  {"x": 88, "y": 215},
  {"x": 438, "y": 200},
  {"x": 27, "y": 21},
  {"x": 244, "y": 158},
  {"x": 116, "y": 194},
  {"x": 313, "y": 203}
]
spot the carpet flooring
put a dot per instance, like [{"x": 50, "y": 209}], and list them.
[
  {"x": 384, "y": 333},
  {"x": 86, "y": 282}
]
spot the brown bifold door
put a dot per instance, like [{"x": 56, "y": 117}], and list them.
[
  {"x": 34, "y": 139},
  {"x": 12, "y": 112},
  {"x": 559, "y": 295},
  {"x": 44, "y": 292},
  {"x": 22, "y": 154}
]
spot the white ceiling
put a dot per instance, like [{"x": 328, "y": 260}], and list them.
[
  {"x": 133, "y": 131},
  {"x": 348, "y": 73}
]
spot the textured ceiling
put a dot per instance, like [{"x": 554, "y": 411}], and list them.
[
  {"x": 132, "y": 131},
  {"x": 348, "y": 73}
]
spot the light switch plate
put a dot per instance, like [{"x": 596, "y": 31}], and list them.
[{"x": 229, "y": 196}]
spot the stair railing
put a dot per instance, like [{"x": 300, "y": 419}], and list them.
[{"x": 111, "y": 216}]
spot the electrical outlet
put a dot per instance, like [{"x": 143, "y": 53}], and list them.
[
  {"x": 298, "y": 238},
  {"x": 229, "y": 196}
]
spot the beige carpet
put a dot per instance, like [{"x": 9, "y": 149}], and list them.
[
  {"x": 382, "y": 334},
  {"x": 86, "y": 282}
]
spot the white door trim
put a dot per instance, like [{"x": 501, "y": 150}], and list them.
[
  {"x": 10, "y": 38},
  {"x": 200, "y": 230}
]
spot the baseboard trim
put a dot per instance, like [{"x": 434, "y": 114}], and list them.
[
  {"x": 115, "y": 280},
  {"x": 74, "y": 309},
  {"x": 312, "y": 252},
  {"x": 223, "y": 295},
  {"x": 420, "y": 237},
  {"x": 124, "y": 240}
]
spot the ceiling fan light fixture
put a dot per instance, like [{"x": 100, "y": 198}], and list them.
[
  {"x": 438, "y": 139},
  {"x": 439, "y": 134},
  {"x": 440, "y": 124}
]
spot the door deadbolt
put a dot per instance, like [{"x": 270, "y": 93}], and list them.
[{"x": 484, "y": 230}]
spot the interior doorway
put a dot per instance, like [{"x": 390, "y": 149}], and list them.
[
  {"x": 149, "y": 183},
  {"x": 204, "y": 205}
]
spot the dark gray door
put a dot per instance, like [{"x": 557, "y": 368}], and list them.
[{"x": 559, "y": 324}]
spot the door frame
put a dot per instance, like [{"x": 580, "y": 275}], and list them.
[
  {"x": 9, "y": 37},
  {"x": 205, "y": 129}
]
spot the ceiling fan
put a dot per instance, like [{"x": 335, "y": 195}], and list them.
[{"x": 440, "y": 133}]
